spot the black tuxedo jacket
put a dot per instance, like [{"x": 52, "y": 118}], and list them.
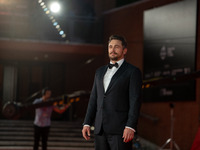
[{"x": 119, "y": 106}]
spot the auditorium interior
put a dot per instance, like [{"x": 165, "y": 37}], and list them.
[{"x": 40, "y": 48}]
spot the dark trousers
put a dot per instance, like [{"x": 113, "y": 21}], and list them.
[
  {"x": 105, "y": 141},
  {"x": 42, "y": 132}
]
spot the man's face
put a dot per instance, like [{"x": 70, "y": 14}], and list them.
[
  {"x": 47, "y": 94},
  {"x": 115, "y": 50}
]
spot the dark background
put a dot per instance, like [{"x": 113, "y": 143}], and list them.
[{"x": 169, "y": 49}]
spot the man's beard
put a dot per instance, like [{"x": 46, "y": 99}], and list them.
[{"x": 114, "y": 58}]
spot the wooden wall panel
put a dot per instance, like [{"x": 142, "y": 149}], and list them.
[{"x": 128, "y": 21}]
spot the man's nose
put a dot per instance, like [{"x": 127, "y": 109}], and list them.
[{"x": 112, "y": 49}]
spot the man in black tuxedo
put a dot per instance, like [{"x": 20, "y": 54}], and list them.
[{"x": 115, "y": 100}]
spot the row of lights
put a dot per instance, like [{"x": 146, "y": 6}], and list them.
[{"x": 55, "y": 7}]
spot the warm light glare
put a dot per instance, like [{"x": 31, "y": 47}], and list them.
[
  {"x": 42, "y": 3},
  {"x": 47, "y": 12},
  {"x": 64, "y": 35},
  {"x": 55, "y": 7},
  {"x": 58, "y": 26}
]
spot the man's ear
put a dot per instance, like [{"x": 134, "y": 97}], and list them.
[{"x": 125, "y": 51}]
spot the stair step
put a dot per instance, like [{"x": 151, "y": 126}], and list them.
[
  {"x": 53, "y": 129},
  {"x": 17, "y": 138},
  {"x": 15, "y": 133},
  {"x": 63, "y": 135},
  {"x": 55, "y": 144},
  {"x": 50, "y": 148}
]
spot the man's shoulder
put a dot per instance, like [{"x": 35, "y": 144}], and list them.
[
  {"x": 38, "y": 100},
  {"x": 102, "y": 68},
  {"x": 131, "y": 66}
]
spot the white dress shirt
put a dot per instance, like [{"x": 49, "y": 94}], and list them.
[{"x": 109, "y": 74}]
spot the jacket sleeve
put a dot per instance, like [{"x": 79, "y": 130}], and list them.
[
  {"x": 92, "y": 105},
  {"x": 135, "y": 88}
]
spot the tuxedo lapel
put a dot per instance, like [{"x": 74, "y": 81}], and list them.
[
  {"x": 117, "y": 74},
  {"x": 102, "y": 76}
]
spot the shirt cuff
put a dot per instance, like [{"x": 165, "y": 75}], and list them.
[
  {"x": 86, "y": 125},
  {"x": 131, "y": 128}
]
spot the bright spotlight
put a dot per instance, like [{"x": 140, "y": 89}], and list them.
[
  {"x": 55, "y": 7},
  {"x": 61, "y": 32},
  {"x": 55, "y": 23}
]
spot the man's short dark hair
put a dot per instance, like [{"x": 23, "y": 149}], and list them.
[
  {"x": 118, "y": 37},
  {"x": 45, "y": 90}
]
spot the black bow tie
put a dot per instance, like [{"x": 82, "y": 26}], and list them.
[{"x": 112, "y": 65}]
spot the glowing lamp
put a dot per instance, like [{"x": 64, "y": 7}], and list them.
[{"x": 55, "y": 7}]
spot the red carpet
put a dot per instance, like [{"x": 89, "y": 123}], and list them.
[{"x": 196, "y": 143}]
